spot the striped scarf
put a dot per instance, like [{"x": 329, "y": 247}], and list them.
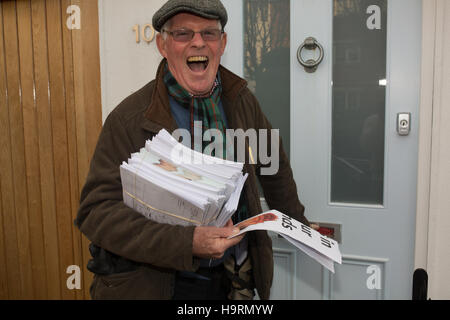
[{"x": 204, "y": 109}]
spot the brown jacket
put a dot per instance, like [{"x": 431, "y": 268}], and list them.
[{"x": 158, "y": 248}]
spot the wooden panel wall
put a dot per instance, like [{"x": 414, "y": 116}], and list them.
[{"x": 50, "y": 118}]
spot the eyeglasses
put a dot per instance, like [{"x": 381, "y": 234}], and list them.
[{"x": 186, "y": 35}]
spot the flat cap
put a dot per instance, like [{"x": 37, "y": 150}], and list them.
[{"x": 209, "y": 9}]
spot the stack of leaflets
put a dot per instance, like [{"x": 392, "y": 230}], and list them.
[
  {"x": 321, "y": 248},
  {"x": 170, "y": 183}
]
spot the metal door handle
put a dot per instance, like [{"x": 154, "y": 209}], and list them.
[{"x": 310, "y": 44}]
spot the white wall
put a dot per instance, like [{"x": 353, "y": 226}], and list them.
[
  {"x": 439, "y": 219},
  {"x": 433, "y": 201},
  {"x": 126, "y": 66}
]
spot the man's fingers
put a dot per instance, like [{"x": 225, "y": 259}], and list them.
[
  {"x": 213, "y": 242},
  {"x": 234, "y": 241},
  {"x": 224, "y": 244},
  {"x": 229, "y": 223},
  {"x": 226, "y": 232}
]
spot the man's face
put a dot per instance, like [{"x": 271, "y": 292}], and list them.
[{"x": 196, "y": 77}]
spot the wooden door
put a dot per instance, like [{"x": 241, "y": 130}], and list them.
[{"x": 50, "y": 118}]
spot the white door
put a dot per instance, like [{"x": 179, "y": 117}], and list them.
[{"x": 339, "y": 124}]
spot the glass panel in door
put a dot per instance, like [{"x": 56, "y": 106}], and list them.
[
  {"x": 359, "y": 101},
  {"x": 267, "y": 60}
]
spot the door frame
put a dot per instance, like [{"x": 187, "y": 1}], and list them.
[{"x": 432, "y": 199}]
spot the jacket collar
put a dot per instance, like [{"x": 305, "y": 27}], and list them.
[{"x": 159, "y": 116}]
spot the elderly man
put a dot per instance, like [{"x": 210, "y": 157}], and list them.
[{"x": 136, "y": 258}]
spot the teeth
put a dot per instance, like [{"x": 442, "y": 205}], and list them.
[{"x": 198, "y": 59}]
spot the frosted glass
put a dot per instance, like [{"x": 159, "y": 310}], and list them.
[{"x": 359, "y": 99}]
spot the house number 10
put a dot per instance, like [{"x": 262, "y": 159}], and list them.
[{"x": 142, "y": 33}]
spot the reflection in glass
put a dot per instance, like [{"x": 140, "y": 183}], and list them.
[
  {"x": 359, "y": 91},
  {"x": 266, "y": 59}
]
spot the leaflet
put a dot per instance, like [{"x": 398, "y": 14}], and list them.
[{"x": 321, "y": 248}]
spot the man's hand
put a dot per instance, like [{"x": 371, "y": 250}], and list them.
[{"x": 212, "y": 242}]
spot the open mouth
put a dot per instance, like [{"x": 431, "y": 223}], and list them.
[{"x": 198, "y": 63}]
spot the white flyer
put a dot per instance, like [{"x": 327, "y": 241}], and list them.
[{"x": 319, "y": 247}]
